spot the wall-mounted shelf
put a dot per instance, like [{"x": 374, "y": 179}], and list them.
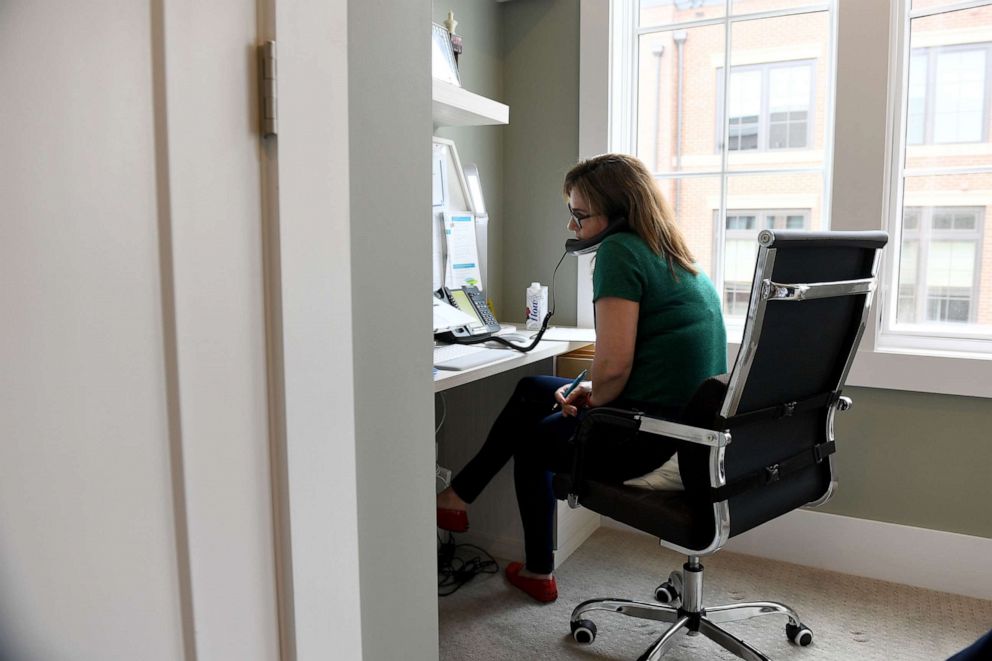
[{"x": 454, "y": 106}]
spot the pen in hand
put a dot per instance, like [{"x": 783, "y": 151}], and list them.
[{"x": 572, "y": 386}]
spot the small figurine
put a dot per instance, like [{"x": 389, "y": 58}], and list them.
[{"x": 456, "y": 41}]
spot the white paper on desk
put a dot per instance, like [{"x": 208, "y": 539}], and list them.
[
  {"x": 448, "y": 316},
  {"x": 561, "y": 334},
  {"x": 463, "y": 251}
]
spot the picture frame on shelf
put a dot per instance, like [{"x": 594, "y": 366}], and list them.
[{"x": 443, "y": 65}]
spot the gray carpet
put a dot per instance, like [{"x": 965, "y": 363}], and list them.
[{"x": 852, "y": 618}]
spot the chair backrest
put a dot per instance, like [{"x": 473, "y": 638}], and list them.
[{"x": 808, "y": 309}]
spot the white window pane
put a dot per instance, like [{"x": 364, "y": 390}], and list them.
[
  {"x": 739, "y": 7},
  {"x": 951, "y": 264},
  {"x": 793, "y": 53},
  {"x": 696, "y": 203},
  {"x": 674, "y": 136},
  {"x": 907, "y": 262},
  {"x": 959, "y": 96},
  {"x": 930, "y": 4},
  {"x": 741, "y": 255},
  {"x": 946, "y": 244},
  {"x": 788, "y": 88},
  {"x": 683, "y": 84},
  {"x": 917, "y": 102},
  {"x": 745, "y": 93},
  {"x": 666, "y": 12},
  {"x": 941, "y": 291}
]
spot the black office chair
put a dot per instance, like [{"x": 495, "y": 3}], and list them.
[{"x": 754, "y": 444}]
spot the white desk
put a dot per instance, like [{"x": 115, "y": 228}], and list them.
[
  {"x": 445, "y": 379},
  {"x": 470, "y": 411}
]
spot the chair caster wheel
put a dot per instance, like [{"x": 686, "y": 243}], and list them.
[
  {"x": 671, "y": 590},
  {"x": 584, "y": 631},
  {"x": 800, "y": 635},
  {"x": 665, "y": 593}
]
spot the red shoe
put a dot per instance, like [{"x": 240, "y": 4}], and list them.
[
  {"x": 544, "y": 590},
  {"x": 452, "y": 520}
]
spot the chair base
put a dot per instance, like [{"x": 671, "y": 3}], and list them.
[{"x": 692, "y": 618}]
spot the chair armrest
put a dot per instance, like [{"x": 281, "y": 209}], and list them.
[
  {"x": 698, "y": 435},
  {"x": 626, "y": 420},
  {"x": 622, "y": 419}
]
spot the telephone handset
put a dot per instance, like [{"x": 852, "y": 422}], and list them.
[
  {"x": 585, "y": 246},
  {"x": 471, "y": 301}
]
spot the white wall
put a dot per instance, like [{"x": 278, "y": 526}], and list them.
[
  {"x": 212, "y": 424},
  {"x": 390, "y": 117},
  {"x": 312, "y": 334},
  {"x": 85, "y": 486},
  {"x": 135, "y": 511}
]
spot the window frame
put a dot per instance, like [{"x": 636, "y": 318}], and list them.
[
  {"x": 861, "y": 160},
  {"x": 940, "y": 339}
]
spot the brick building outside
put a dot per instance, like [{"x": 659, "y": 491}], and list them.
[{"x": 777, "y": 131}]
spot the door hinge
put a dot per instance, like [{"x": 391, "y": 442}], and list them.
[{"x": 269, "y": 94}]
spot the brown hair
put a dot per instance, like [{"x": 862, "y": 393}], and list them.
[{"x": 620, "y": 186}]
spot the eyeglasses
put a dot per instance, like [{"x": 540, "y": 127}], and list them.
[{"x": 577, "y": 217}]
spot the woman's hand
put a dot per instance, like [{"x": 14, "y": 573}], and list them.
[{"x": 577, "y": 399}]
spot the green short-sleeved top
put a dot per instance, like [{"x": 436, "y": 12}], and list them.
[{"x": 681, "y": 339}]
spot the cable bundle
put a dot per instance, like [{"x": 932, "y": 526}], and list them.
[{"x": 454, "y": 570}]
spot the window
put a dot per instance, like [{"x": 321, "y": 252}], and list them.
[
  {"x": 948, "y": 94},
  {"x": 769, "y": 106},
  {"x": 737, "y": 137},
  {"x": 940, "y": 296},
  {"x": 659, "y": 72},
  {"x": 947, "y": 241}
]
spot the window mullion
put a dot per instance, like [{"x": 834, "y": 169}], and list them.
[
  {"x": 922, "y": 272},
  {"x": 764, "y": 112},
  {"x": 944, "y": 9},
  {"x": 720, "y": 257},
  {"x": 976, "y": 272},
  {"x": 987, "y": 101},
  {"x": 930, "y": 106}
]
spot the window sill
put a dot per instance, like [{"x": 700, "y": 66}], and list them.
[{"x": 945, "y": 373}]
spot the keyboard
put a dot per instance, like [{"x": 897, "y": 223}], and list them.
[{"x": 461, "y": 356}]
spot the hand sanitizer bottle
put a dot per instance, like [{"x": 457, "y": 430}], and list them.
[{"x": 537, "y": 305}]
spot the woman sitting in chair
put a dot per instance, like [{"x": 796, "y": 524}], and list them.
[{"x": 659, "y": 334}]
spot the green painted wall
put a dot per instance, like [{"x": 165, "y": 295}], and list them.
[
  {"x": 480, "y": 70},
  {"x": 909, "y": 458},
  {"x": 917, "y": 459},
  {"x": 541, "y": 82}
]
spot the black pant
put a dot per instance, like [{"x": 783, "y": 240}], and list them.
[{"x": 538, "y": 441}]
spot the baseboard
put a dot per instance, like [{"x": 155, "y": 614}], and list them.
[{"x": 931, "y": 559}]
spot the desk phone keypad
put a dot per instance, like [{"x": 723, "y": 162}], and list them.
[{"x": 479, "y": 301}]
